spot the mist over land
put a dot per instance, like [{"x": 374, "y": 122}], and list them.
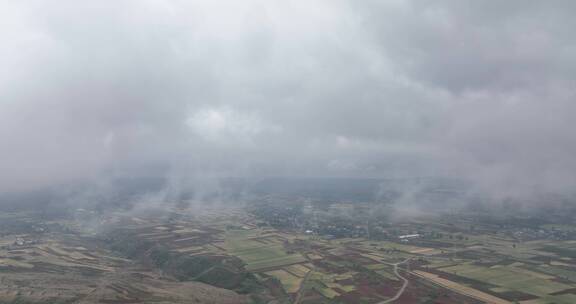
[
  {"x": 287, "y": 152},
  {"x": 467, "y": 90}
]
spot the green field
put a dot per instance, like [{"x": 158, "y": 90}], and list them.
[
  {"x": 510, "y": 277},
  {"x": 258, "y": 255},
  {"x": 558, "y": 272}
]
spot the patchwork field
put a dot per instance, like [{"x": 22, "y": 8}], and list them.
[
  {"x": 259, "y": 253},
  {"x": 532, "y": 272},
  {"x": 161, "y": 257},
  {"x": 461, "y": 288},
  {"x": 68, "y": 269}
]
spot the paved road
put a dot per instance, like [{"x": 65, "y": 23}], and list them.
[{"x": 404, "y": 283}]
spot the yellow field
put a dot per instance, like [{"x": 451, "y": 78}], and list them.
[
  {"x": 377, "y": 266},
  {"x": 14, "y": 263},
  {"x": 465, "y": 290},
  {"x": 298, "y": 270},
  {"x": 328, "y": 292},
  {"x": 290, "y": 282},
  {"x": 426, "y": 251},
  {"x": 75, "y": 255}
]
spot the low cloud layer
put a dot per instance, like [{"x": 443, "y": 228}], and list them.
[{"x": 473, "y": 89}]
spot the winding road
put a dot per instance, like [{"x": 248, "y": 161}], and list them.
[
  {"x": 396, "y": 272},
  {"x": 404, "y": 283}
]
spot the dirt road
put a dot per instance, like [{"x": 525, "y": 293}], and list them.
[{"x": 404, "y": 283}]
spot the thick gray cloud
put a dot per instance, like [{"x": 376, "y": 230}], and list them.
[{"x": 478, "y": 89}]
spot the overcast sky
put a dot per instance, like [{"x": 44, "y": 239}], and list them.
[{"x": 483, "y": 90}]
